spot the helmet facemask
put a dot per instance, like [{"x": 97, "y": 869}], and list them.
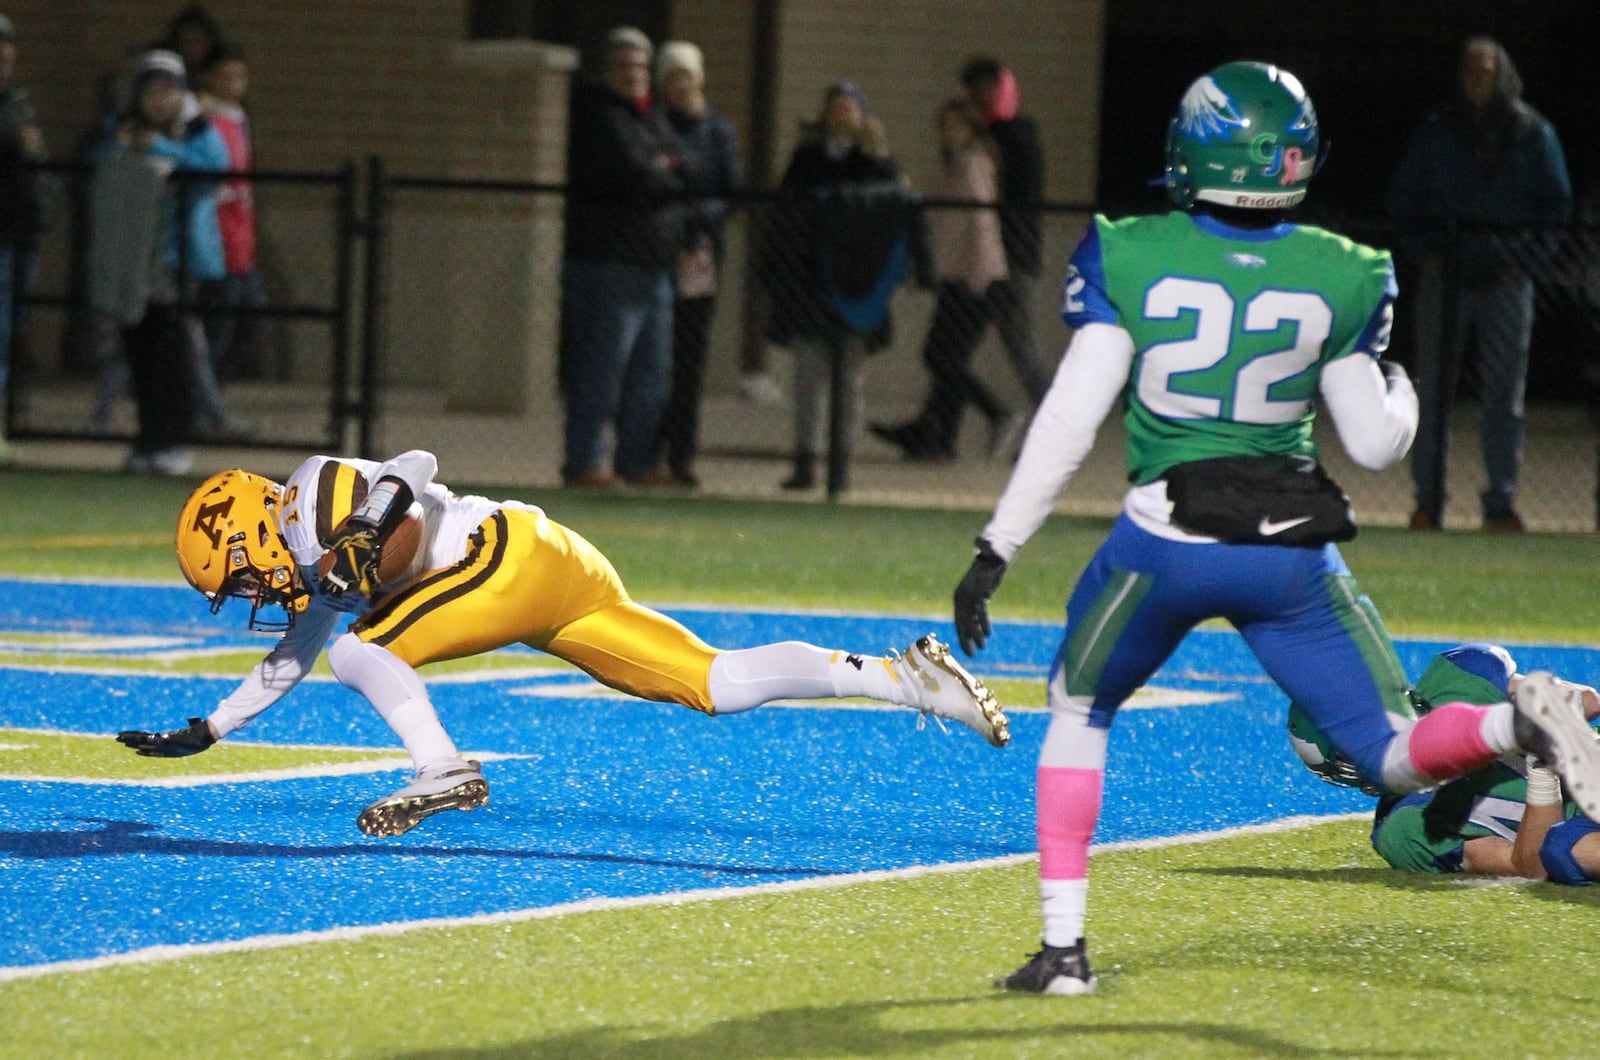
[{"x": 271, "y": 587}]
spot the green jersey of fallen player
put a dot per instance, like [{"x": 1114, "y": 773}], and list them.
[{"x": 1426, "y": 831}]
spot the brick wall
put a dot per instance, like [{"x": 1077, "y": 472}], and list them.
[{"x": 336, "y": 82}]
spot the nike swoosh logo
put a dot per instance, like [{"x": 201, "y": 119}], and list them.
[{"x": 1268, "y": 528}]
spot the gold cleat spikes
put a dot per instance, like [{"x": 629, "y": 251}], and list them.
[
  {"x": 457, "y": 786},
  {"x": 965, "y": 698}
]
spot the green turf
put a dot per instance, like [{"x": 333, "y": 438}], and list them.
[
  {"x": 44, "y": 754},
  {"x": 1299, "y": 944},
  {"x": 1296, "y": 944}
]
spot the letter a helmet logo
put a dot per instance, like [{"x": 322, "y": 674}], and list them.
[{"x": 205, "y": 520}]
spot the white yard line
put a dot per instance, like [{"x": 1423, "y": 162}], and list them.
[{"x": 156, "y": 954}]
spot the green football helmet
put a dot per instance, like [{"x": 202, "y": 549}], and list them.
[
  {"x": 1321, "y": 757},
  {"x": 1245, "y": 136}
]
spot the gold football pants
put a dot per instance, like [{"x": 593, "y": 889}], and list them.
[{"x": 528, "y": 579}]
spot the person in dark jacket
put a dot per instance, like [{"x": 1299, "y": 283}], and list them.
[
  {"x": 841, "y": 159},
  {"x": 1479, "y": 177},
  {"x": 992, "y": 88},
  {"x": 624, "y": 225},
  {"x": 711, "y": 173},
  {"x": 21, "y": 143}
]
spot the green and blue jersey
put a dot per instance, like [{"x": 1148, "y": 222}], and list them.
[{"x": 1231, "y": 328}]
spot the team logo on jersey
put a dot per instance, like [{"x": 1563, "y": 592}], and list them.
[
  {"x": 1248, "y": 261},
  {"x": 1207, "y": 111},
  {"x": 205, "y": 520}
]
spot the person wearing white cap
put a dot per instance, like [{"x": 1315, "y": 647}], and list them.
[
  {"x": 137, "y": 267},
  {"x": 711, "y": 172}
]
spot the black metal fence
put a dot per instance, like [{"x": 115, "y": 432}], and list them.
[{"x": 407, "y": 311}]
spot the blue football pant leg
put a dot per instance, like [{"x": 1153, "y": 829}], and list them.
[{"x": 1332, "y": 655}]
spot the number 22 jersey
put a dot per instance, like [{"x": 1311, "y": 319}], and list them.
[{"x": 1231, "y": 328}]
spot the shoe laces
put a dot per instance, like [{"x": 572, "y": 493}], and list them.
[{"x": 913, "y": 672}]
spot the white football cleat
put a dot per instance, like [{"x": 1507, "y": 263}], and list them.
[
  {"x": 454, "y": 785},
  {"x": 934, "y": 683},
  {"x": 1549, "y": 724}
]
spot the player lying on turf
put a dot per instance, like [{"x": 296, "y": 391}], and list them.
[
  {"x": 1217, "y": 326},
  {"x": 434, "y": 576},
  {"x": 1507, "y": 819}
]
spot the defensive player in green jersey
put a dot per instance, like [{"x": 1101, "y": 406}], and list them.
[
  {"x": 1506, "y": 819},
  {"x": 1218, "y": 325}
]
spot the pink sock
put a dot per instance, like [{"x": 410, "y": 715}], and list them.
[
  {"x": 1068, "y": 807},
  {"x": 1448, "y": 741}
]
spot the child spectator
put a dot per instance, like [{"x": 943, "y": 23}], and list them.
[{"x": 232, "y": 329}]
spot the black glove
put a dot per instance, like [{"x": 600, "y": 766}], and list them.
[
  {"x": 179, "y": 743},
  {"x": 972, "y": 597},
  {"x": 354, "y": 552}
]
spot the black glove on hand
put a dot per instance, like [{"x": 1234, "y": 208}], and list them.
[
  {"x": 179, "y": 743},
  {"x": 355, "y": 560},
  {"x": 972, "y": 597}
]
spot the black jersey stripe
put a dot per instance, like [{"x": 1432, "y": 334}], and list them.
[
  {"x": 439, "y": 589},
  {"x": 340, "y": 490}
]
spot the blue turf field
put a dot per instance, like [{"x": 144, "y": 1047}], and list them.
[{"x": 612, "y": 797}]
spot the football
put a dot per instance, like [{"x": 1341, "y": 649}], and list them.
[
  {"x": 400, "y": 550},
  {"x": 395, "y": 556}
]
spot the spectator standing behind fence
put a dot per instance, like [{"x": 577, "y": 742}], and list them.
[
  {"x": 969, "y": 263},
  {"x": 992, "y": 87},
  {"x": 844, "y": 149},
  {"x": 21, "y": 216},
  {"x": 233, "y": 336},
  {"x": 1484, "y": 161},
  {"x": 624, "y": 222},
  {"x": 711, "y": 172},
  {"x": 134, "y": 274},
  {"x": 192, "y": 35}
]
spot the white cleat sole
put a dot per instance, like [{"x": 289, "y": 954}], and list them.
[
  {"x": 1070, "y": 986},
  {"x": 1547, "y": 703}
]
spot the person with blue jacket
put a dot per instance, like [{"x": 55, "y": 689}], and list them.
[
  {"x": 1479, "y": 180},
  {"x": 152, "y": 238}
]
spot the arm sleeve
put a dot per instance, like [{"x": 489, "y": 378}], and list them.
[
  {"x": 274, "y": 676},
  {"x": 416, "y": 468},
  {"x": 1375, "y": 416},
  {"x": 1091, "y": 377}
]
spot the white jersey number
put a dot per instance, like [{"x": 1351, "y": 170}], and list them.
[{"x": 1213, "y": 333}]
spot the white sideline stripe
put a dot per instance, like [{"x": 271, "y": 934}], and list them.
[
  {"x": 156, "y": 954},
  {"x": 479, "y": 755},
  {"x": 330, "y": 769},
  {"x": 530, "y": 673}
]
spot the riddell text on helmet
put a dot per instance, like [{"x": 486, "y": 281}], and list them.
[{"x": 1268, "y": 202}]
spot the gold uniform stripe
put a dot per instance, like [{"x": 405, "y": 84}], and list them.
[{"x": 435, "y": 590}]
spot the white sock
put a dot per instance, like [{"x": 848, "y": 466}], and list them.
[
  {"x": 1496, "y": 728},
  {"x": 396, "y": 693},
  {"x": 749, "y": 677},
  {"x": 1065, "y": 903}
]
